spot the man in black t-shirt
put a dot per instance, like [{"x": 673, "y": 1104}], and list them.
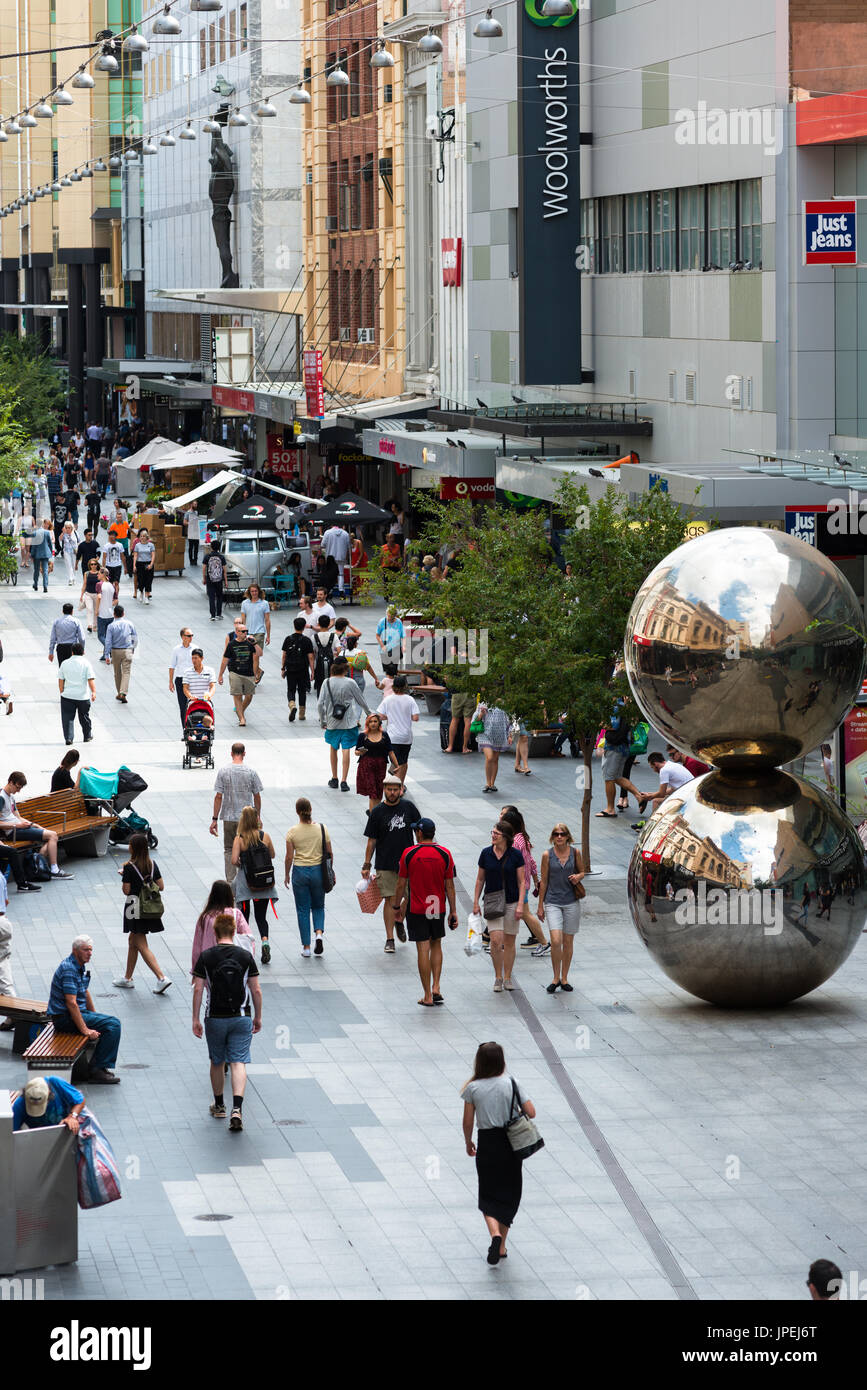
[
  {"x": 241, "y": 655},
  {"x": 389, "y": 833},
  {"x": 88, "y": 550},
  {"x": 73, "y": 501},
  {"x": 93, "y": 502},
  {"x": 297, "y": 669},
  {"x": 229, "y": 971}
]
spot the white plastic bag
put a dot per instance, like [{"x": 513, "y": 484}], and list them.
[{"x": 475, "y": 926}]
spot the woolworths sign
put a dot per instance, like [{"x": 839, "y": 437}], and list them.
[{"x": 550, "y": 214}]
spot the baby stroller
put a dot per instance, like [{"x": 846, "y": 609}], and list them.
[
  {"x": 199, "y": 736},
  {"x": 115, "y": 792}
]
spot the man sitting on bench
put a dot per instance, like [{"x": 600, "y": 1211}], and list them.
[
  {"x": 15, "y": 827},
  {"x": 70, "y": 1009}
]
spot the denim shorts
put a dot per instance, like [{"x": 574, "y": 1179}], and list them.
[{"x": 228, "y": 1039}]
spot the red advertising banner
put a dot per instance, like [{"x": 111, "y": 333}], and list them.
[
  {"x": 232, "y": 399},
  {"x": 281, "y": 460},
  {"x": 830, "y": 232},
  {"x": 451, "y": 258},
  {"x": 313, "y": 383},
  {"x": 477, "y": 489}
]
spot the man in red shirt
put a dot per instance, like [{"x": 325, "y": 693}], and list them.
[
  {"x": 426, "y": 880},
  {"x": 691, "y": 764}
]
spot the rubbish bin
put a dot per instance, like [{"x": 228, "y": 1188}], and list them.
[{"x": 38, "y": 1195}]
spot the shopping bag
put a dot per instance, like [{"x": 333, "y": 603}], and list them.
[
  {"x": 369, "y": 896},
  {"x": 475, "y": 926},
  {"x": 98, "y": 1177}
]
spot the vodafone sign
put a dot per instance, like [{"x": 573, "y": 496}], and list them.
[{"x": 477, "y": 489}]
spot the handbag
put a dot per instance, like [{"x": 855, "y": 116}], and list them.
[
  {"x": 640, "y": 735},
  {"x": 477, "y": 723},
  {"x": 368, "y": 894},
  {"x": 494, "y": 904},
  {"x": 577, "y": 888},
  {"x": 521, "y": 1131},
  {"x": 328, "y": 879}
]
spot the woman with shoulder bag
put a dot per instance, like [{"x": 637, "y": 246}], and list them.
[
  {"x": 561, "y": 889},
  {"x": 250, "y": 848},
  {"x": 308, "y": 858},
  {"x": 492, "y": 1099},
  {"x": 143, "y": 914},
  {"x": 501, "y": 873}
]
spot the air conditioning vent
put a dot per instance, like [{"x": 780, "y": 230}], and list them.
[
  {"x": 672, "y": 386},
  {"x": 689, "y": 388},
  {"x": 331, "y": 223},
  {"x": 345, "y": 335},
  {"x": 735, "y": 390},
  {"x": 366, "y": 335},
  {"x": 630, "y": 382}
]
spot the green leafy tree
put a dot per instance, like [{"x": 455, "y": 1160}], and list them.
[
  {"x": 33, "y": 382},
  {"x": 551, "y": 641}
]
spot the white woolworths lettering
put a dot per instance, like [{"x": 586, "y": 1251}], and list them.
[
  {"x": 553, "y": 80},
  {"x": 77, "y": 1343}
]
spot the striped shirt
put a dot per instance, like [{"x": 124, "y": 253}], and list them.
[{"x": 199, "y": 682}]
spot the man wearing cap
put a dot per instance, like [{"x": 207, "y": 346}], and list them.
[
  {"x": 47, "y": 1100},
  {"x": 70, "y": 1009},
  {"x": 389, "y": 833},
  {"x": 179, "y": 667},
  {"x": 426, "y": 879}
]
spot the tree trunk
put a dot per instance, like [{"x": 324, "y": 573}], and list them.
[{"x": 587, "y": 745}]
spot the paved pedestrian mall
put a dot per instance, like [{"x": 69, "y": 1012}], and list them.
[{"x": 689, "y": 1152}]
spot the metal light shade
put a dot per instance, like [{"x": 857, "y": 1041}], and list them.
[
  {"x": 337, "y": 78},
  {"x": 99, "y": 166},
  {"x": 166, "y": 24},
  {"x": 13, "y": 127},
  {"x": 205, "y": 6},
  {"x": 43, "y": 111},
  {"x": 75, "y": 176},
  {"x": 148, "y": 147},
  {"x": 187, "y": 133},
  {"x": 115, "y": 162},
  {"x": 135, "y": 42},
  {"x": 558, "y": 9},
  {"x": 55, "y": 187},
  {"x": 168, "y": 139},
  {"x": 106, "y": 62},
  {"x": 3, "y": 136},
  {"x": 27, "y": 120},
  {"x": 431, "y": 42},
  {"x": 745, "y": 647},
  {"x": 83, "y": 79},
  {"x": 62, "y": 97},
  {"x": 66, "y": 182},
  {"x": 238, "y": 118},
  {"x": 299, "y": 97},
  {"x": 265, "y": 109},
  {"x": 87, "y": 172},
  {"x": 212, "y": 127},
  {"x": 488, "y": 27},
  {"x": 130, "y": 155},
  {"x": 381, "y": 58}
]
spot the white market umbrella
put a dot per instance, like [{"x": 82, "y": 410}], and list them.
[
  {"x": 151, "y": 454},
  {"x": 200, "y": 455}
]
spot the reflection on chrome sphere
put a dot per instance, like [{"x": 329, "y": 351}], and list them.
[
  {"x": 737, "y": 853},
  {"x": 745, "y": 647}
]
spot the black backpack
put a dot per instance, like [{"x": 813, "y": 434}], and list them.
[
  {"x": 258, "y": 865},
  {"x": 228, "y": 984},
  {"x": 296, "y": 657}
]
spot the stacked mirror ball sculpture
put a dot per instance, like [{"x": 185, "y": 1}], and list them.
[{"x": 746, "y": 648}]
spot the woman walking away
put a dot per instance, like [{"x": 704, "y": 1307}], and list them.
[
  {"x": 501, "y": 871},
  {"x": 491, "y": 1099},
  {"x": 252, "y": 853},
  {"x": 89, "y": 597},
  {"x": 374, "y": 753},
  {"x": 523, "y": 844},
  {"x": 221, "y": 901},
  {"x": 495, "y": 738},
  {"x": 141, "y": 886},
  {"x": 304, "y": 844},
  {"x": 562, "y": 875}
]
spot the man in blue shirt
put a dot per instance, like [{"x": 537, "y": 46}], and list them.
[
  {"x": 66, "y": 633},
  {"x": 70, "y": 1009},
  {"x": 389, "y": 635},
  {"x": 42, "y": 554},
  {"x": 121, "y": 640},
  {"x": 47, "y": 1100}
]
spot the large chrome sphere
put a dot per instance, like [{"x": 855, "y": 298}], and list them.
[
  {"x": 737, "y": 852},
  {"x": 745, "y": 647}
]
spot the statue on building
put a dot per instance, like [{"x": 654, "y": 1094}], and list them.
[{"x": 221, "y": 188}]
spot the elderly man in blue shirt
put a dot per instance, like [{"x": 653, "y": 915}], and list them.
[
  {"x": 121, "y": 640},
  {"x": 66, "y": 633},
  {"x": 70, "y": 1009}
]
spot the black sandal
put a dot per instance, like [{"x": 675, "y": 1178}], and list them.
[{"x": 494, "y": 1250}]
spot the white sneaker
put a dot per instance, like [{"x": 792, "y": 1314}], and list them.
[
  {"x": 162, "y": 985},
  {"x": 123, "y": 983},
  {"x": 305, "y": 951},
  {"x": 148, "y": 600}
]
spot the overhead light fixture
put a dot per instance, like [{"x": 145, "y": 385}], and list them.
[
  {"x": 55, "y": 187},
  {"x": 337, "y": 78},
  {"x": 130, "y": 155},
  {"x": 166, "y": 23},
  {"x": 66, "y": 181},
  {"x": 264, "y": 109},
  {"x": 432, "y": 43},
  {"x": 13, "y": 127},
  {"x": 558, "y": 9},
  {"x": 488, "y": 27},
  {"x": 62, "y": 97},
  {"x": 83, "y": 78},
  {"x": 4, "y": 138},
  {"x": 87, "y": 172},
  {"x": 27, "y": 120},
  {"x": 148, "y": 147},
  {"x": 168, "y": 139},
  {"x": 187, "y": 133},
  {"x": 238, "y": 118},
  {"x": 205, "y": 6},
  {"x": 99, "y": 166},
  {"x": 43, "y": 111},
  {"x": 106, "y": 62},
  {"x": 212, "y": 127},
  {"x": 115, "y": 162},
  {"x": 135, "y": 42},
  {"x": 299, "y": 96},
  {"x": 381, "y": 58},
  {"x": 75, "y": 176}
]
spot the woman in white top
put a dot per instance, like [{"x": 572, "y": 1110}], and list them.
[
  {"x": 69, "y": 548},
  {"x": 26, "y": 529},
  {"x": 491, "y": 1099}
]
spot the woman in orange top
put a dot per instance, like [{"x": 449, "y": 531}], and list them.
[{"x": 121, "y": 526}]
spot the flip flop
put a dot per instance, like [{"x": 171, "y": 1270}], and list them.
[
  {"x": 438, "y": 999},
  {"x": 425, "y": 1004},
  {"x": 606, "y": 815}
]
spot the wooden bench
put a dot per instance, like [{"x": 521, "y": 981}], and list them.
[
  {"x": 58, "y": 1052},
  {"x": 433, "y": 695},
  {"x": 24, "y": 1013},
  {"x": 66, "y": 813}
]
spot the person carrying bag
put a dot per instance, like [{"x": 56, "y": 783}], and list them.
[{"x": 143, "y": 912}]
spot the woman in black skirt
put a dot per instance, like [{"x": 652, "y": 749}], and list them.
[{"x": 488, "y": 1103}]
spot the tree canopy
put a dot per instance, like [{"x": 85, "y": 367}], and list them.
[{"x": 31, "y": 383}]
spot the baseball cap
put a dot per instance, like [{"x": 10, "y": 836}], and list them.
[
  {"x": 391, "y": 781},
  {"x": 425, "y": 825},
  {"x": 36, "y": 1094}
]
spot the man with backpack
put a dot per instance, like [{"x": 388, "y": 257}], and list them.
[
  {"x": 213, "y": 579},
  {"x": 228, "y": 971},
  {"x": 339, "y": 703},
  {"x": 323, "y": 646},
  {"x": 297, "y": 669}
]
